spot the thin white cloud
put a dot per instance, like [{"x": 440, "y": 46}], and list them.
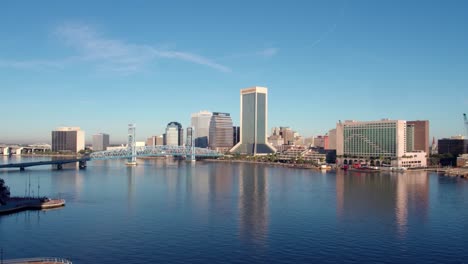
[
  {"x": 269, "y": 52},
  {"x": 31, "y": 64},
  {"x": 265, "y": 53},
  {"x": 121, "y": 55},
  {"x": 108, "y": 54}
]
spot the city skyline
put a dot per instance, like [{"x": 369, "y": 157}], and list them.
[{"x": 322, "y": 62}]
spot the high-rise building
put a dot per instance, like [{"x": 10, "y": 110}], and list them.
[
  {"x": 254, "y": 121},
  {"x": 221, "y": 132},
  {"x": 421, "y": 134},
  {"x": 235, "y": 135},
  {"x": 174, "y": 135},
  {"x": 70, "y": 139},
  {"x": 190, "y": 137},
  {"x": 201, "y": 124},
  {"x": 100, "y": 141},
  {"x": 376, "y": 141}
]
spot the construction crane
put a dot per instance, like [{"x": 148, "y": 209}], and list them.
[{"x": 466, "y": 124}]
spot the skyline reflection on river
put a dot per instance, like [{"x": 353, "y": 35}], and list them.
[{"x": 173, "y": 211}]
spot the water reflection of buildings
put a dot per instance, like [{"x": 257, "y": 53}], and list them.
[
  {"x": 396, "y": 197},
  {"x": 253, "y": 203},
  {"x": 412, "y": 188}
]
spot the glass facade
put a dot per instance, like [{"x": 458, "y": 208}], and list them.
[
  {"x": 248, "y": 119},
  {"x": 253, "y": 122},
  {"x": 410, "y": 138},
  {"x": 201, "y": 123},
  {"x": 370, "y": 139}
]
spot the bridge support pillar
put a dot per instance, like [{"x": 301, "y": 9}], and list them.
[
  {"x": 59, "y": 166},
  {"x": 21, "y": 168},
  {"x": 192, "y": 154}
]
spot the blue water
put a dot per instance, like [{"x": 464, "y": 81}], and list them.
[{"x": 163, "y": 211}]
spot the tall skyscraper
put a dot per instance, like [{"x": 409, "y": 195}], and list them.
[
  {"x": 70, "y": 139},
  {"x": 201, "y": 123},
  {"x": 221, "y": 132},
  {"x": 190, "y": 136},
  {"x": 253, "y": 122},
  {"x": 421, "y": 134},
  {"x": 174, "y": 135},
  {"x": 100, "y": 141}
]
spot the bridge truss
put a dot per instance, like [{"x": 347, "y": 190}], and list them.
[{"x": 155, "y": 151}]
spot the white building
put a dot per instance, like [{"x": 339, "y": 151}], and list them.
[
  {"x": 68, "y": 139},
  {"x": 201, "y": 124},
  {"x": 174, "y": 134},
  {"x": 376, "y": 143}
]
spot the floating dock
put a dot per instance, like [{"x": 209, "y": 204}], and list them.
[
  {"x": 16, "y": 204},
  {"x": 45, "y": 260}
]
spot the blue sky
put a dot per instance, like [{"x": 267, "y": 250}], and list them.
[{"x": 103, "y": 64}]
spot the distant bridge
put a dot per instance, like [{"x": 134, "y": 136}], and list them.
[
  {"x": 155, "y": 151},
  {"x": 190, "y": 153}
]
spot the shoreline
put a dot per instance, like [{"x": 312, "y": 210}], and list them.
[{"x": 276, "y": 164}]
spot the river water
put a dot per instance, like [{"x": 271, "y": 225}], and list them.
[{"x": 164, "y": 211}]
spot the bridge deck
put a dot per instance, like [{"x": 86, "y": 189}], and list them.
[{"x": 39, "y": 163}]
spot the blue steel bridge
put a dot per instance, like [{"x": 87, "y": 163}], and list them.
[
  {"x": 155, "y": 151},
  {"x": 130, "y": 153}
]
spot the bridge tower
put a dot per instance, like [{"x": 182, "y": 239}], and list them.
[{"x": 131, "y": 145}]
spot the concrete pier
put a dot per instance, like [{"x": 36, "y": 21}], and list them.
[
  {"x": 44, "y": 260},
  {"x": 21, "y": 204}
]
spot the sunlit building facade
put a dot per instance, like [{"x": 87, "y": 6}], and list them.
[
  {"x": 221, "y": 132},
  {"x": 253, "y": 122},
  {"x": 376, "y": 141},
  {"x": 100, "y": 142},
  {"x": 68, "y": 139},
  {"x": 174, "y": 134},
  {"x": 201, "y": 124}
]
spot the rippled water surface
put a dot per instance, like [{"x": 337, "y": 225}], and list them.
[{"x": 163, "y": 211}]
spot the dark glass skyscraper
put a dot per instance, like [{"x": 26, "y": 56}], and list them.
[{"x": 254, "y": 116}]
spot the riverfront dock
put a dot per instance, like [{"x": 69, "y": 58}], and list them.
[
  {"x": 16, "y": 204},
  {"x": 46, "y": 260}
]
